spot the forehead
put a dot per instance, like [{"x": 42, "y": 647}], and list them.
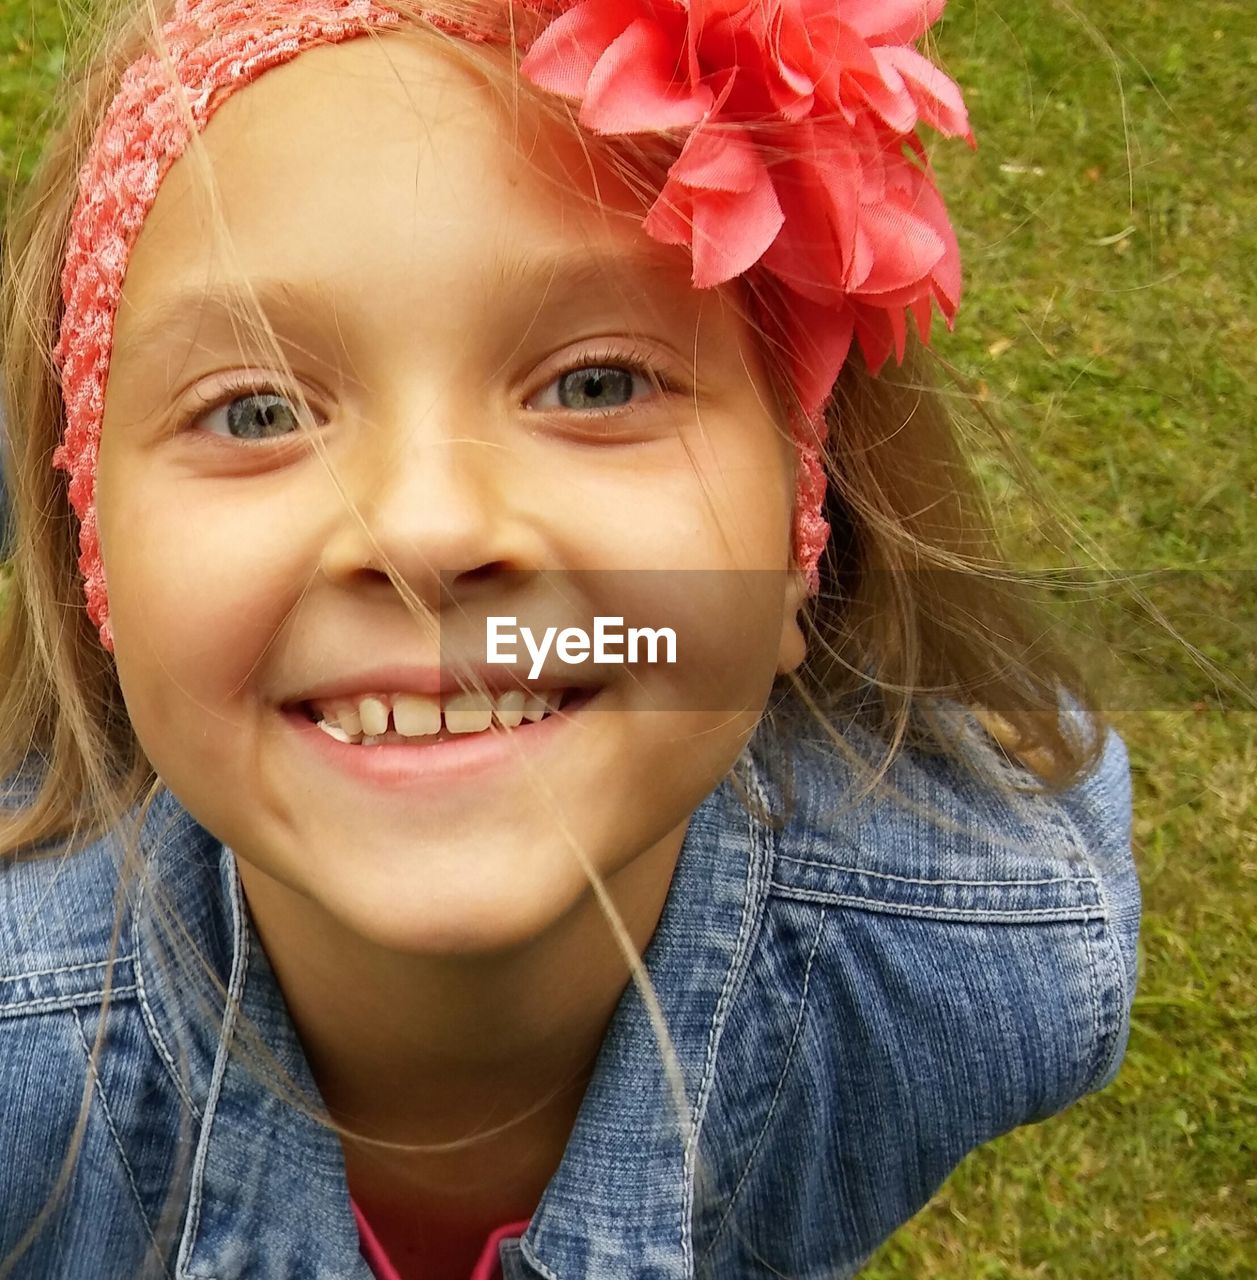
[{"x": 390, "y": 159}]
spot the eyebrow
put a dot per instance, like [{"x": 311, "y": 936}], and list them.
[
  {"x": 274, "y": 298},
  {"x": 572, "y": 271},
  {"x": 560, "y": 277}
]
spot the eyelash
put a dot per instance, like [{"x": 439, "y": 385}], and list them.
[
  {"x": 237, "y": 386},
  {"x": 632, "y": 360}
]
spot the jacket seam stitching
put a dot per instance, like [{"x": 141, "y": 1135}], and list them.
[
  {"x": 239, "y": 972},
  {"x": 751, "y": 909},
  {"x": 1094, "y": 994},
  {"x": 99, "y": 1090},
  {"x": 149, "y": 1017},
  {"x": 533, "y": 1261},
  {"x": 68, "y": 968},
  {"x": 67, "y": 1001},
  {"x": 1106, "y": 1035},
  {"x": 1106, "y": 1030},
  {"x": 1065, "y": 912},
  {"x": 772, "y": 1106},
  {"x": 882, "y": 875}
]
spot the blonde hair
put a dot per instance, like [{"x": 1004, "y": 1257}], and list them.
[{"x": 918, "y": 613}]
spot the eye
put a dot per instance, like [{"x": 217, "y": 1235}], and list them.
[
  {"x": 249, "y": 411},
  {"x": 605, "y": 385}
]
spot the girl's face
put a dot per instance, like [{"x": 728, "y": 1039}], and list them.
[{"x": 523, "y": 405}]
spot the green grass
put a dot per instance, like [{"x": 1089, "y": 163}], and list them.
[
  {"x": 1108, "y": 224},
  {"x": 32, "y": 55}
]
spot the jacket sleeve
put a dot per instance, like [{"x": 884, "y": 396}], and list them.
[{"x": 1100, "y": 809}]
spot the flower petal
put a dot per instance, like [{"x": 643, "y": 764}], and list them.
[
  {"x": 906, "y": 248},
  {"x": 720, "y": 160},
  {"x": 670, "y": 219},
  {"x": 563, "y": 56},
  {"x": 709, "y": 12},
  {"x": 924, "y": 316},
  {"x": 722, "y": 183},
  {"x": 888, "y": 94},
  {"x": 847, "y": 224},
  {"x": 791, "y": 55},
  {"x": 936, "y": 94},
  {"x": 892, "y": 21},
  {"x": 918, "y": 192},
  {"x": 874, "y": 334},
  {"x": 945, "y": 274},
  {"x": 733, "y": 232},
  {"x": 817, "y": 339},
  {"x": 637, "y": 85}
]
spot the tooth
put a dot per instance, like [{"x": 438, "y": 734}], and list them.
[
  {"x": 372, "y": 740},
  {"x": 334, "y": 731},
  {"x": 535, "y": 707},
  {"x": 415, "y": 716},
  {"x": 349, "y": 718},
  {"x": 468, "y": 713},
  {"x": 510, "y": 708},
  {"x": 374, "y": 713}
]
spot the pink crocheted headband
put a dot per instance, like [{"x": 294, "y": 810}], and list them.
[{"x": 798, "y": 161}]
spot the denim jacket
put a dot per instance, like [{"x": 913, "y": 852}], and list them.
[{"x": 857, "y": 999}]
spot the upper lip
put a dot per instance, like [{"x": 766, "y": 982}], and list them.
[{"x": 432, "y": 682}]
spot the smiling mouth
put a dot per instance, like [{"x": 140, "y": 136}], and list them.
[{"x": 385, "y": 719}]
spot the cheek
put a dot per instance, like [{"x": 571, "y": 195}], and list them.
[
  {"x": 727, "y": 627},
  {"x": 721, "y": 498},
  {"x": 199, "y": 579},
  {"x": 745, "y": 505}
]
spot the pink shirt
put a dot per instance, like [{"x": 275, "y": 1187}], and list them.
[{"x": 485, "y": 1269}]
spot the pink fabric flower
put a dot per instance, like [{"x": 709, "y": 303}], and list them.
[{"x": 796, "y": 115}]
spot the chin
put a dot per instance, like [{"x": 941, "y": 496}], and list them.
[{"x": 434, "y": 915}]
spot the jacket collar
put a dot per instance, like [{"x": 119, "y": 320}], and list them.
[
  {"x": 625, "y": 1186},
  {"x": 253, "y": 1149},
  {"x": 628, "y": 1146}
]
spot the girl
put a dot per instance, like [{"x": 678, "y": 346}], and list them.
[{"x": 341, "y": 337}]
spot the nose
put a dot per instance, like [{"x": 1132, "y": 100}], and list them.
[{"x": 443, "y": 508}]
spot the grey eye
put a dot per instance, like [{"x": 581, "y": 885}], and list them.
[
  {"x": 596, "y": 387},
  {"x": 260, "y": 415}
]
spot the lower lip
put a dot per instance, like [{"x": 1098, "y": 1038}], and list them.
[{"x": 464, "y": 757}]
